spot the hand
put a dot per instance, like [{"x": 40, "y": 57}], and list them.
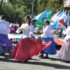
[{"x": 21, "y": 30}]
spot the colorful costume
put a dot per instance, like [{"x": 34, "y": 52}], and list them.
[
  {"x": 26, "y": 48},
  {"x": 4, "y": 30},
  {"x": 64, "y": 52},
  {"x": 47, "y": 36}
]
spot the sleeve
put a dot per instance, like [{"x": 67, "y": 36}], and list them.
[
  {"x": 23, "y": 26},
  {"x": 44, "y": 31},
  {"x": 18, "y": 30},
  {"x": 10, "y": 25}
]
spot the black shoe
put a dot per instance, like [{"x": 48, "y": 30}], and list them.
[
  {"x": 44, "y": 56},
  {"x": 66, "y": 61}
]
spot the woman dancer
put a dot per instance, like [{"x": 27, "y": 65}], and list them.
[
  {"x": 64, "y": 52},
  {"x": 48, "y": 36}
]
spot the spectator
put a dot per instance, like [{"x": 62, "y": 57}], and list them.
[{"x": 14, "y": 27}]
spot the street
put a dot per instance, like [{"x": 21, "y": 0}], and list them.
[
  {"x": 35, "y": 63},
  {"x": 47, "y": 21}
]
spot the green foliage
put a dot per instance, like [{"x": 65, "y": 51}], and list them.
[{"x": 17, "y": 9}]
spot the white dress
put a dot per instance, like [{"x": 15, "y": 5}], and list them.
[{"x": 64, "y": 52}]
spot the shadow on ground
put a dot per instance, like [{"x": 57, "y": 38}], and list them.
[{"x": 56, "y": 66}]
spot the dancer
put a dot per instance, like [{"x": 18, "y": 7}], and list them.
[
  {"x": 48, "y": 36},
  {"x": 25, "y": 40},
  {"x": 27, "y": 46},
  {"x": 64, "y": 52},
  {"x": 4, "y": 31}
]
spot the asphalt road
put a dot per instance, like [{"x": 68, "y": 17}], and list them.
[{"x": 35, "y": 63}]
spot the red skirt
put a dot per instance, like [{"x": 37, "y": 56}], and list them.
[{"x": 28, "y": 47}]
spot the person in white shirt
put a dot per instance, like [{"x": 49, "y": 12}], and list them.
[
  {"x": 64, "y": 52},
  {"x": 4, "y": 31},
  {"x": 26, "y": 42},
  {"x": 26, "y": 28},
  {"x": 48, "y": 36}
]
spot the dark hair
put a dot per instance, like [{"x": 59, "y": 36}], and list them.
[
  {"x": 47, "y": 22},
  {"x": 5, "y": 18},
  {"x": 28, "y": 17}
]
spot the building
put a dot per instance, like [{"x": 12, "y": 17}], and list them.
[{"x": 67, "y": 4}]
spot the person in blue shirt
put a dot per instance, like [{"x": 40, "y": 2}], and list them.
[{"x": 4, "y": 31}]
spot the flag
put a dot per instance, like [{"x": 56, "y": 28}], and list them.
[
  {"x": 59, "y": 16},
  {"x": 44, "y": 15}
]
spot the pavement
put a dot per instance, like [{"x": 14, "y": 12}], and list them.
[{"x": 36, "y": 63}]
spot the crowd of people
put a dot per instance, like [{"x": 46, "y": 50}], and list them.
[{"x": 29, "y": 46}]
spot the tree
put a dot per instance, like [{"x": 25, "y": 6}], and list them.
[
  {"x": 1, "y": 3},
  {"x": 20, "y": 8}
]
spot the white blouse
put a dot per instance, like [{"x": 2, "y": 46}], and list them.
[
  {"x": 47, "y": 32},
  {"x": 26, "y": 30}
]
